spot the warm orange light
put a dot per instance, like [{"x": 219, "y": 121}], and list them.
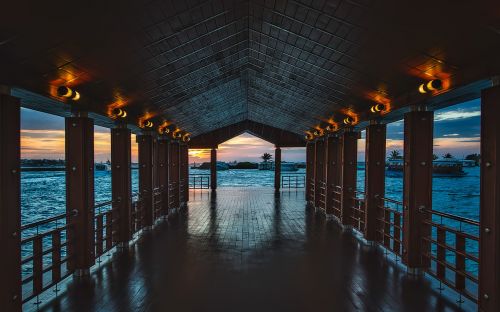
[
  {"x": 163, "y": 128},
  {"x": 309, "y": 135},
  {"x": 378, "y": 108},
  {"x": 332, "y": 127},
  {"x": 118, "y": 113},
  {"x": 68, "y": 93},
  {"x": 432, "y": 85},
  {"x": 348, "y": 120},
  {"x": 186, "y": 138},
  {"x": 351, "y": 118}
]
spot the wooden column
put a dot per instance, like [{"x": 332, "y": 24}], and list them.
[
  {"x": 310, "y": 147},
  {"x": 213, "y": 169},
  {"x": 146, "y": 177},
  {"x": 80, "y": 192},
  {"x": 332, "y": 172},
  {"x": 277, "y": 168},
  {"x": 319, "y": 172},
  {"x": 417, "y": 185},
  {"x": 163, "y": 151},
  {"x": 489, "y": 235},
  {"x": 183, "y": 173},
  {"x": 10, "y": 205},
  {"x": 121, "y": 184},
  {"x": 174, "y": 175},
  {"x": 374, "y": 177},
  {"x": 186, "y": 171},
  {"x": 348, "y": 175}
]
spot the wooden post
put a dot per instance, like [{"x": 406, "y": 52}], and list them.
[
  {"x": 185, "y": 158},
  {"x": 10, "y": 204},
  {"x": 121, "y": 184},
  {"x": 163, "y": 151},
  {"x": 213, "y": 169},
  {"x": 348, "y": 175},
  {"x": 417, "y": 186},
  {"x": 332, "y": 172},
  {"x": 309, "y": 170},
  {"x": 277, "y": 169},
  {"x": 374, "y": 177},
  {"x": 146, "y": 177},
  {"x": 183, "y": 167},
  {"x": 489, "y": 235},
  {"x": 80, "y": 192},
  {"x": 174, "y": 175},
  {"x": 319, "y": 172}
]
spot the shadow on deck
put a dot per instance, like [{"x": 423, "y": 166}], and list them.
[{"x": 247, "y": 250}]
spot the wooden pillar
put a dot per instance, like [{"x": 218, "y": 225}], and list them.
[
  {"x": 186, "y": 171},
  {"x": 417, "y": 185},
  {"x": 10, "y": 204},
  {"x": 80, "y": 192},
  {"x": 489, "y": 235},
  {"x": 277, "y": 168},
  {"x": 213, "y": 169},
  {"x": 121, "y": 184},
  {"x": 146, "y": 182},
  {"x": 348, "y": 175},
  {"x": 374, "y": 177},
  {"x": 163, "y": 151},
  {"x": 319, "y": 172},
  {"x": 332, "y": 172},
  {"x": 310, "y": 147},
  {"x": 183, "y": 172},
  {"x": 174, "y": 175}
]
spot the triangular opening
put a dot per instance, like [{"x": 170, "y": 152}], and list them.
[{"x": 247, "y": 161}]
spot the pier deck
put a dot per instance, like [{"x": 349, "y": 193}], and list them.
[{"x": 248, "y": 250}]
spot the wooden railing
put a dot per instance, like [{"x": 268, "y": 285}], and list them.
[
  {"x": 390, "y": 225},
  {"x": 358, "y": 211},
  {"x": 454, "y": 252},
  {"x": 336, "y": 194},
  {"x": 322, "y": 194},
  {"x": 158, "y": 210},
  {"x": 199, "y": 181},
  {"x": 104, "y": 224},
  {"x": 44, "y": 246},
  {"x": 293, "y": 181},
  {"x": 137, "y": 213}
]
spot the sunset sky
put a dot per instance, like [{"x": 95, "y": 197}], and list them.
[{"x": 456, "y": 131}]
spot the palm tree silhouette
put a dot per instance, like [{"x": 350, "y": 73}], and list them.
[
  {"x": 395, "y": 155},
  {"x": 266, "y": 157}
]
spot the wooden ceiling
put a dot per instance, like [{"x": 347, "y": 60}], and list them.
[{"x": 204, "y": 65}]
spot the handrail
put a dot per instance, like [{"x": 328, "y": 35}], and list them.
[
  {"x": 452, "y": 217},
  {"x": 42, "y": 222}
]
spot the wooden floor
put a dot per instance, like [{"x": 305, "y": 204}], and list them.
[{"x": 248, "y": 250}]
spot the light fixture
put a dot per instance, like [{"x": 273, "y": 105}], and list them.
[
  {"x": 378, "y": 108},
  {"x": 66, "y": 92},
  {"x": 163, "y": 129},
  {"x": 119, "y": 113},
  {"x": 331, "y": 127},
  {"x": 146, "y": 124},
  {"x": 348, "y": 120},
  {"x": 316, "y": 133},
  {"x": 432, "y": 85},
  {"x": 186, "y": 138}
]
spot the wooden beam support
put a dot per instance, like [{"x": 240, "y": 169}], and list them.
[
  {"x": 489, "y": 235},
  {"x": 319, "y": 173},
  {"x": 213, "y": 169},
  {"x": 277, "y": 169},
  {"x": 163, "y": 153},
  {"x": 184, "y": 172},
  {"x": 174, "y": 176},
  {"x": 121, "y": 184},
  {"x": 417, "y": 185},
  {"x": 10, "y": 204},
  {"x": 146, "y": 181},
  {"x": 374, "y": 177},
  {"x": 310, "y": 148},
  {"x": 332, "y": 173},
  {"x": 80, "y": 193},
  {"x": 348, "y": 175}
]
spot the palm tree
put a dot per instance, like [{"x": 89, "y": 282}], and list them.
[
  {"x": 266, "y": 157},
  {"x": 434, "y": 157},
  {"x": 448, "y": 156},
  {"x": 395, "y": 155}
]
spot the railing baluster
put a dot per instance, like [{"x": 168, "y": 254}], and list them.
[
  {"x": 56, "y": 256},
  {"x": 109, "y": 230},
  {"x": 38, "y": 264},
  {"x": 441, "y": 253},
  {"x": 397, "y": 233},
  {"x": 460, "y": 261},
  {"x": 99, "y": 235}
]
